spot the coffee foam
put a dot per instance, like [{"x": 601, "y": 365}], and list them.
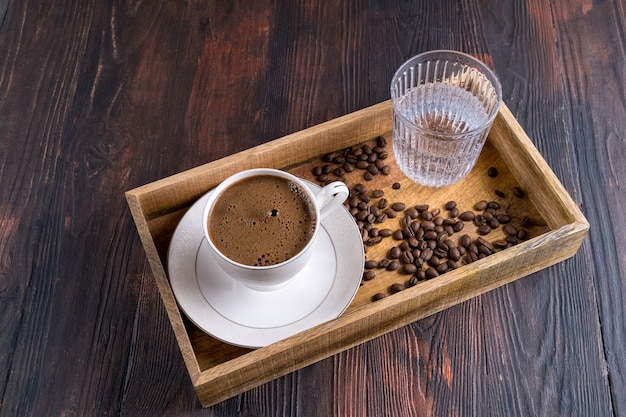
[{"x": 262, "y": 220}]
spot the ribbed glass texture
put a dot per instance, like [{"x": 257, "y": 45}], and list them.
[{"x": 444, "y": 103}]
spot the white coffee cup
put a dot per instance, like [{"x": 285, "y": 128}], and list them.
[{"x": 270, "y": 277}]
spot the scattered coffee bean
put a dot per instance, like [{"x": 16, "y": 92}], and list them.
[
  {"x": 393, "y": 265},
  {"x": 396, "y": 288},
  {"x": 510, "y": 230},
  {"x": 450, "y": 205},
  {"x": 492, "y": 172},
  {"x": 467, "y": 216},
  {"x": 378, "y": 296},
  {"x": 371, "y": 264},
  {"x": 485, "y": 229},
  {"x": 369, "y": 275},
  {"x": 500, "y": 193},
  {"x": 518, "y": 192},
  {"x": 409, "y": 268},
  {"x": 481, "y": 205},
  {"x": 396, "y": 186},
  {"x": 412, "y": 212}
]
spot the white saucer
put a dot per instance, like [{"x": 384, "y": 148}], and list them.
[{"x": 234, "y": 313}]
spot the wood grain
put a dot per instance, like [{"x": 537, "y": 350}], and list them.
[{"x": 97, "y": 98}]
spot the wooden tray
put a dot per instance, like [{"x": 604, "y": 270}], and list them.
[{"x": 219, "y": 371}]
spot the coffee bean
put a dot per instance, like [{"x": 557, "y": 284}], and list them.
[
  {"x": 385, "y": 232},
  {"x": 348, "y": 167},
  {"x": 386, "y": 170},
  {"x": 371, "y": 264},
  {"x": 426, "y": 215},
  {"x": 398, "y": 206},
  {"x": 428, "y": 225},
  {"x": 522, "y": 234},
  {"x": 360, "y": 188},
  {"x": 391, "y": 213},
  {"x": 393, "y": 265},
  {"x": 396, "y": 186},
  {"x": 317, "y": 171},
  {"x": 409, "y": 268},
  {"x": 412, "y": 212},
  {"x": 482, "y": 241},
  {"x": 450, "y": 205},
  {"x": 481, "y": 205},
  {"x": 431, "y": 273},
  {"x": 395, "y": 252},
  {"x": 413, "y": 281},
  {"x": 454, "y": 254},
  {"x": 407, "y": 257},
  {"x": 382, "y": 203},
  {"x": 492, "y": 172},
  {"x": 493, "y": 205},
  {"x": 368, "y": 176},
  {"x": 503, "y": 218},
  {"x": 378, "y": 296},
  {"x": 518, "y": 192},
  {"x": 458, "y": 226},
  {"x": 383, "y": 263},
  {"x": 369, "y": 275},
  {"x": 484, "y": 229},
  {"x": 381, "y": 141},
  {"x": 500, "y": 193},
  {"x": 398, "y": 235},
  {"x": 377, "y": 193},
  {"x": 374, "y": 240},
  {"x": 510, "y": 230},
  {"x": 501, "y": 243},
  {"x": 362, "y": 164},
  {"x": 465, "y": 241},
  {"x": 454, "y": 212},
  {"x": 396, "y": 288},
  {"x": 479, "y": 220},
  {"x": 467, "y": 216}
]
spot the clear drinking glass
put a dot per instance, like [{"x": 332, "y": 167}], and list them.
[{"x": 444, "y": 103}]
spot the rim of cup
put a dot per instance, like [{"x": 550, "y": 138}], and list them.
[
  {"x": 220, "y": 188},
  {"x": 480, "y": 66}
]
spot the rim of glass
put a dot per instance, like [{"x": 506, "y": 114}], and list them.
[{"x": 481, "y": 66}]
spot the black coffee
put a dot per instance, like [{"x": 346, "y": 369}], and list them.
[{"x": 262, "y": 220}]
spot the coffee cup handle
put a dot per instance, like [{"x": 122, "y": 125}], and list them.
[{"x": 331, "y": 196}]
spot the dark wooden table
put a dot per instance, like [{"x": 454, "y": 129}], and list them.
[{"x": 98, "y": 97}]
